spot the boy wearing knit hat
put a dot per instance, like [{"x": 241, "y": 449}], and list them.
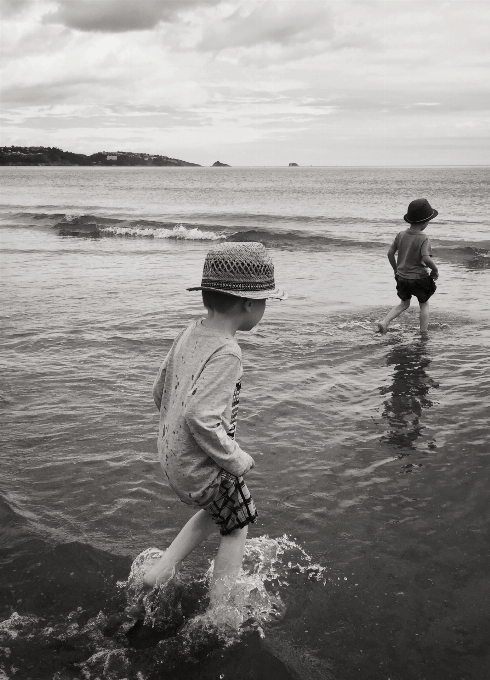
[
  {"x": 410, "y": 266},
  {"x": 197, "y": 391}
]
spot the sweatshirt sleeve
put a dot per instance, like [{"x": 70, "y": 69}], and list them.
[
  {"x": 426, "y": 249},
  {"x": 206, "y": 404},
  {"x": 160, "y": 382}
]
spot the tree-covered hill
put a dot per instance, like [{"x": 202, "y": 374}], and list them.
[{"x": 51, "y": 155}]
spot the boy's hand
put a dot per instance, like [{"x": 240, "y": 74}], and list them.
[
  {"x": 435, "y": 275},
  {"x": 251, "y": 464}
]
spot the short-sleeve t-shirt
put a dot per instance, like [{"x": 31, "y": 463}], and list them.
[{"x": 412, "y": 246}]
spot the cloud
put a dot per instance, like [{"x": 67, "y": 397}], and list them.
[
  {"x": 277, "y": 23},
  {"x": 11, "y": 7},
  {"x": 50, "y": 94},
  {"x": 91, "y": 119},
  {"x": 334, "y": 79},
  {"x": 120, "y": 16}
]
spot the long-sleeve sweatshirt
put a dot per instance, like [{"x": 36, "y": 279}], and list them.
[{"x": 196, "y": 391}]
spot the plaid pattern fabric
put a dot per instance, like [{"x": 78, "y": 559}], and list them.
[
  {"x": 234, "y": 410},
  {"x": 233, "y": 506}
]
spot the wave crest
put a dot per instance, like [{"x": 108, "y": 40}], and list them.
[{"x": 178, "y": 233}]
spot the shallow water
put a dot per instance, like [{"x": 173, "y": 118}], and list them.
[{"x": 372, "y": 452}]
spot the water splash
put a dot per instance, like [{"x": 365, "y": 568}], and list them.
[
  {"x": 15, "y": 625},
  {"x": 252, "y": 600},
  {"x": 181, "y": 628},
  {"x": 367, "y": 325},
  {"x": 140, "y": 565}
]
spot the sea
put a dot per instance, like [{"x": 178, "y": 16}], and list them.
[{"x": 370, "y": 559}]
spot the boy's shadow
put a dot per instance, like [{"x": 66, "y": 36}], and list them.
[{"x": 408, "y": 395}]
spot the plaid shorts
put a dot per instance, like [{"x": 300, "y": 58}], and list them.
[{"x": 233, "y": 507}]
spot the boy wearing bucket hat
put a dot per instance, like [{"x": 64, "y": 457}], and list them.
[
  {"x": 197, "y": 391},
  {"x": 411, "y": 264}
]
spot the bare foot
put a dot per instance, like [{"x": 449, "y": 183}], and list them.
[
  {"x": 159, "y": 574},
  {"x": 382, "y": 328},
  {"x": 153, "y": 577}
]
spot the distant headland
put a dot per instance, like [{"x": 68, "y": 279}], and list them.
[{"x": 51, "y": 155}]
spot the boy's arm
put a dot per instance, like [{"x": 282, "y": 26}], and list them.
[
  {"x": 208, "y": 400},
  {"x": 159, "y": 383},
  {"x": 427, "y": 260},
  {"x": 391, "y": 256}
]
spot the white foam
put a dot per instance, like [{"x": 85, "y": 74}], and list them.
[
  {"x": 11, "y": 627},
  {"x": 178, "y": 233}
]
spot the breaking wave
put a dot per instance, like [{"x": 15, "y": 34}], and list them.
[{"x": 473, "y": 254}]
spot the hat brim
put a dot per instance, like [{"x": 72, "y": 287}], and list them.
[
  {"x": 426, "y": 219},
  {"x": 274, "y": 294}
]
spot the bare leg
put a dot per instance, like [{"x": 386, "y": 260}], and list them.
[
  {"x": 424, "y": 316},
  {"x": 227, "y": 564},
  {"x": 396, "y": 311},
  {"x": 190, "y": 536}
]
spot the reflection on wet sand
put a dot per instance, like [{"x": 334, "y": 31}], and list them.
[{"x": 408, "y": 394}]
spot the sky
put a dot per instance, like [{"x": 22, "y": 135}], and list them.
[{"x": 251, "y": 82}]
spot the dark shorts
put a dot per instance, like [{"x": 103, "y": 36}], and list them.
[
  {"x": 233, "y": 506},
  {"x": 423, "y": 289}
]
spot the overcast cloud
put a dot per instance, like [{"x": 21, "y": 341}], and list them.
[
  {"x": 117, "y": 16},
  {"x": 264, "y": 82}
]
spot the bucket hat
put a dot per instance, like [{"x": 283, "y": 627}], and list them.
[
  {"x": 420, "y": 210},
  {"x": 242, "y": 269}
]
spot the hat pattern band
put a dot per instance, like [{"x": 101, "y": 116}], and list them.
[
  {"x": 424, "y": 219},
  {"x": 238, "y": 285}
]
